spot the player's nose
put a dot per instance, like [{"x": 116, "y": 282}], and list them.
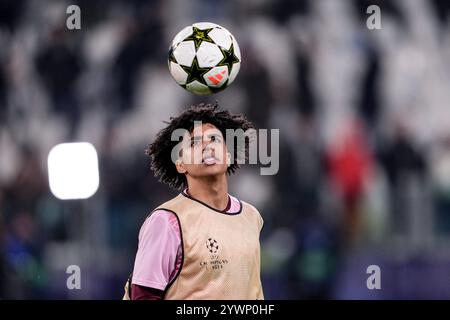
[{"x": 207, "y": 144}]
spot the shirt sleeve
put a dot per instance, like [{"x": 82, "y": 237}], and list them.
[
  {"x": 159, "y": 244},
  {"x": 145, "y": 293}
]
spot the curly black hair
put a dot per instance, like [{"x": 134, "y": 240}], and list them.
[{"x": 161, "y": 149}]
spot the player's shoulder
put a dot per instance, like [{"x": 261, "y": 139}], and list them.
[
  {"x": 159, "y": 220},
  {"x": 158, "y": 214},
  {"x": 248, "y": 206},
  {"x": 253, "y": 211}
]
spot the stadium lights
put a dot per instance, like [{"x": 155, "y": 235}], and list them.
[{"x": 73, "y": 170}]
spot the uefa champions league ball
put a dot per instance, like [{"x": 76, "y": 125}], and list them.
[{"x": 204, "y": 58}]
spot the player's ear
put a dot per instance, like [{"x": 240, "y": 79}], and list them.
[
  {"x": 180, "y": 166},
  {"x": 228, "y": 159}
]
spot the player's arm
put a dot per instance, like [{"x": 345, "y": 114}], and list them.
[{"x": 157, "y": 256}]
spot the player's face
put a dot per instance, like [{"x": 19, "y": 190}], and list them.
[{"x": 204, "y": 152}]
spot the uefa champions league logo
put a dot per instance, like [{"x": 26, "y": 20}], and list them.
[
  {"x": 212, "y": 245},
  {"x": 215, "y": 262}
]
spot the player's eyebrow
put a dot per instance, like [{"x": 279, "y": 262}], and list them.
[
  {"x": 209, "y": 135},
  {"x": 217, "y": 134}
]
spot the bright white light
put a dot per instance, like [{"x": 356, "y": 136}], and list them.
[{"x": 73, "y": 170}]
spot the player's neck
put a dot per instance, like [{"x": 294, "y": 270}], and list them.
[{"x": 213, "y": 191}]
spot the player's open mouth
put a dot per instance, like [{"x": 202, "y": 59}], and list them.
[{"x": 210, "y": 160}]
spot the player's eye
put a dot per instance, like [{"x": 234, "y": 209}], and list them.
[
  {"x": 195, "y": 142},
  {"x": 216, "y": 138}
]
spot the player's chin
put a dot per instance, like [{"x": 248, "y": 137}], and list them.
[{"x": 217, "y": 168}]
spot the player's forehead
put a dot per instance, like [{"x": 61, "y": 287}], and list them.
[{"x": 203, "y": 129}]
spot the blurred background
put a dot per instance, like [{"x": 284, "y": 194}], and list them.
[{"x": 364, "y": 121}]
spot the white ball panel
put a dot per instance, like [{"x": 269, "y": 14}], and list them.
[
  {"x": 198, "y": 88},
  {"x": 234, "y": 72},
  {"x": 178, "y": 73},
  {"x": 221, "y": 37},
  {"x": 184, "y": 53},
  {"x": 208, "y": 55},
  {"x": 237, "y": 51}
]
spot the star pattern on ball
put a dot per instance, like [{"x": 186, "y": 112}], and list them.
[
  {"x": 195, "y": 72},
  {"x": 199, "y": 35},
  {"x": 171, "y": 56},
  {"x": 229, "y": 58},
  {"x": 212, "y": 245}
]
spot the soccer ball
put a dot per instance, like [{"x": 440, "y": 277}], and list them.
[{"x": 204, "y": 58}]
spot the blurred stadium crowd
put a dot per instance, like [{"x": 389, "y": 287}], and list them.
[{"x": 364, "y": 140}]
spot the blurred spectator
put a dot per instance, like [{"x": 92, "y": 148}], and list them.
[
  {"x": 10, "y": 13},
  {"x": 369, "y": 105},
  {"x": 256, "y": 83},
  {"x": 441, "y": 186},
  {"x": 143, "y": 36},
  {"x": 403, "y": 162},
  {"x": 3, "y": 91},
  {"x": 59, "y": 66},
  {"x": 350, "y": 161},
  {"x": 442, "y": 9}
]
